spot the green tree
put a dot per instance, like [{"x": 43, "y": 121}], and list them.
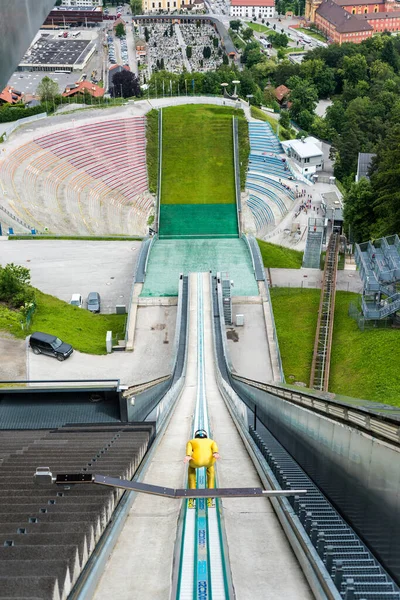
[
  {"x": 146, "y": 34},
  {"x": 281, "y": 54},
  {"x": 188, "y": 52},
  {"x": 47, "y": 89},
  {"x": 15, "y": 289},
  {"x": 215, "y": 42},
  {"x": 284, "y": 120},
  {"x": 136, "y": 7},
  {"x": 225, "y": 59},
  {"x": 355, "y": 68},
  {"x": 235, "y": 24},
  {"x": 358, "y": 210},
  {"x": 322, "y": 76},
  {"x": 304, "y": 97},
  {"x": 385, "y": 181},
  {"x": 120, "y": 30},
  {"x": 206, "y": 52},
  {"x": 389, "y": 54},
  {"x": 125, "y": 85},
  {"x": 247, "y": 34}
]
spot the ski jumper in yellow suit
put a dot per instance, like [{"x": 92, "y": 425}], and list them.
[{"x": 201, "y": 452}]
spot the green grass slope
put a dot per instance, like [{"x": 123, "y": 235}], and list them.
[
  {"x": 363, "y": 364},
  {"x": 197, "y": 155},
  {"x": 77, "y": 326},
  {"x": 279, "y": 257}
]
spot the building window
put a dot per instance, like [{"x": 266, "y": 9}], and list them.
[
  {"x": 353, "y": 11},
  {"x": 375, "y": 9},
  {"x": 365, "y": 10}
]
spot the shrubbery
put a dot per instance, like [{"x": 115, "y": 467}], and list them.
[{"x": 15, "y": 288}]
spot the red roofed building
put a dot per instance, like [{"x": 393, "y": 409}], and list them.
[
  {"x": 252, "y": 8},
  {"x": 84, "y": 87},
  {"x": 281, "y": 92},
  {"x": 9, "y": 96},
  {"x": 117, "y": 22}
]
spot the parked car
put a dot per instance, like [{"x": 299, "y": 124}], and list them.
[
  {"x": 76, "y": 300},
  {"x": 44, "y": 343},
  {"x": 93, "y": 302}
]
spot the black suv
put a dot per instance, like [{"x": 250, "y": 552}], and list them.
[{"x": 44, "y": 343}]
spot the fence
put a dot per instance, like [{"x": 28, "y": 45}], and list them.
[
  {"x": 367, "y": 324},
  {"x": 15, "y": 124}
]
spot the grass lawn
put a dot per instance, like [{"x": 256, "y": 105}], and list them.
[
  {"x": 280, "y": 257},
  {"x": 198, "y": 155},
  {"x": 244, "y": 150},
  {"x": 259, "y": 28},
  {"x": 360, "y": 364},
  {"x": 77, "y": 326},
  {"x": 152, "y": 149},
  {"x": 240, "y": 45},
  {"x": 311, "y": 33}
]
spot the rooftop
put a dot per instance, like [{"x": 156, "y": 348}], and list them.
[
  {"x": 304, "y": 148},
  {"x": 343, "y": 21},
  {"x": 77, "y": 8},
  {"x": 280, "y": 92},
  {"x": 54, "y": 51},
  {"x": 358, "y": 2},
  {"x": 84, "y": 86},
  {"x": 8, "y": 95},
  {"x": 252, "y": 3}
]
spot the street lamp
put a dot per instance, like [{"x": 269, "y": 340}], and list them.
[
  {"x": 248, "y": 96},
  {"x": 224, "y": 86},
  {"x": 235, "y": 83}
]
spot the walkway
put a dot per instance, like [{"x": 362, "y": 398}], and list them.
[{"x": 182, "y": 45}]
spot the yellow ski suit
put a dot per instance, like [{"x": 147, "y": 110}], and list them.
[{"x": 201, "y": 450}]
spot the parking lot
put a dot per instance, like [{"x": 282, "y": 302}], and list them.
[{"x": 66, "y": 267}]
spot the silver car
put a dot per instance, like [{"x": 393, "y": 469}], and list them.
[{"x": 93, "y": 302}]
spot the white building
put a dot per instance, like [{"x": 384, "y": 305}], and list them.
[
  {"x": 252, "y": 8},
  {"x": 84, "y": 3},
  {"x": 306, "y": 153}
]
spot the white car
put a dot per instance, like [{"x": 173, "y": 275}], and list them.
[{"x": 76, "y": 300}]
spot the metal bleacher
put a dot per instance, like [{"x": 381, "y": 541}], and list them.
[
  {"x": 379, "y": 266},
  {"x": 47, "y": 534},
  {"x": 270, "y": 198}
]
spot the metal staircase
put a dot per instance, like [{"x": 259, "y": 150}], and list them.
[
  {"x": 379, "y": 267},
  {"x": 227, "y": 299},
  {"x": 319, "y": 379}
]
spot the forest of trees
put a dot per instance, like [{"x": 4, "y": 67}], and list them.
[{"x": 363, "y": 82}]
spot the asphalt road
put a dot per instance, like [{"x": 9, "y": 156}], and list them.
[{"x": 66, "y": 267}]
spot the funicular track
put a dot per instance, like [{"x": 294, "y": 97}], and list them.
[
  {"x": 202, "y": 569},
  {"x": 319, "y": 378}
]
